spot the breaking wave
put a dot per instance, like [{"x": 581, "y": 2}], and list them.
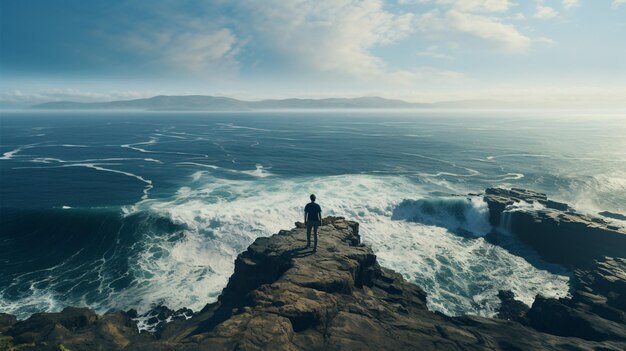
[{"x": 180, "y": 251}]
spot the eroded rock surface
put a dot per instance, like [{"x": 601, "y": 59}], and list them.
[
  {"x": 75, "y": 329},
  {"x": 557, "y": 232},
  {"x": 511, "y": 309},
  {"x": 282, "y": 296}
]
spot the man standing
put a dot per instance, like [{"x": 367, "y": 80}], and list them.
[{"x": 312, "y": 219}]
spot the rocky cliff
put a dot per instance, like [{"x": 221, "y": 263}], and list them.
[
  {"x": 557, "y": 232},
  {"x": 282, "y": 296}
]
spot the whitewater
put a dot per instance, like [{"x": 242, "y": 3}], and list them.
[{"x": 136, "y": 210}]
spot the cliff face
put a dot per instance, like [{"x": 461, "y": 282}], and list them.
[
  {"x": 283, "y": 296},
  {"x": 554, "y": 230}
]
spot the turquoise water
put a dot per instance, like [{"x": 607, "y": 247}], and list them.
[{"x": 125, "y": 210}]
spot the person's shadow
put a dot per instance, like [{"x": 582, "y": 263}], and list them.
[{"x": 298, "y": 252}]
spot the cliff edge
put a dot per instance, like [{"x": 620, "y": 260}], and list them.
[{"x": 283, "y": 297}]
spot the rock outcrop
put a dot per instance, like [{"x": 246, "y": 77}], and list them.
[
  {"x": 596, "y": 310},
  {"x": 558, "y": 233},
  {"x": 282, "y": 296},
  {"x": 510, "y": 308},
  {"x": 73, "y": 329}
]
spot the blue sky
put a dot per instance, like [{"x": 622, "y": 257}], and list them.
[{"x": 535, "y": 51}]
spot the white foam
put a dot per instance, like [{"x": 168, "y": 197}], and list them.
[
  {"x": 98, "y": 167},
  {"x": 39, "y": 299},
  {"x": 171, "y": 136},
  {"x": 599, "y": 193},
  {"x": 222, "y": 217},
  {"x": 470, "y": 172},
  {"x": 151, "y": 141},
  {"x": 520, "y": 155},
  {"x": 234, "y": 126},
  {"x": 511, "y": 176},
  {"x": 199, "y": 164},
  {"x": 9, "y": 154},
  {"x": 46, "y": 160},
  {"x": 258, "y": 172},
  {"x": 57, "y": 160},
  {"x": 154, "y": 141},
  {"x": 418, "y": 135}
]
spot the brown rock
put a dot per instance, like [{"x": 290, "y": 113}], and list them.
[
  {"x": 559, "y": 234},
  {"x": 340, "y": 299},
  {"x": 282, "y": 296},
  {"x": 6, "y": 321}
]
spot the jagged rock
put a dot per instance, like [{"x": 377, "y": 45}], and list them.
[
  {"x": 498, "y": 199},
  {"x": 286, "y": 298},
  {"x": 613, "y": 215},
  {"x": 595, "y": 311},
  {"x": 602, "y": 290},
  {"x": 282, "y": 296},
  {"x": 132, "y": 313},
  {"x": 75, "y": 329},
  {"x": 158, "y": 316},
  {"x": 556, "y": 232},
  {"x": 510, "y": 308},
  {"x": 558, "y": 318},
  {"x": 6, "y": 321}
]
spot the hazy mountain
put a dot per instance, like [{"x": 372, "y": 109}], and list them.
[{"x": 200, "y": 102}]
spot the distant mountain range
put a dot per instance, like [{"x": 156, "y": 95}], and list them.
[{"x": 215, "y": 103}]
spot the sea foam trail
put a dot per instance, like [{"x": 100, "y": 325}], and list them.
[
  {"x": 98, "y": 167},
  {"x": 154, "y": 141},
  {"x": 9, "y": 154},
  {"x": 221, "y": 217},
  {"x": 148, "y": 182}
]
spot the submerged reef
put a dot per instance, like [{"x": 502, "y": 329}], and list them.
[{"x": 282, "y": 296}]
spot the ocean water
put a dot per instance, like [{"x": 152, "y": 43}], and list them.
[{"x": 119, "y": 210}]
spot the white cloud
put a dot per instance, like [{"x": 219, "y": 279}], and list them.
[
  {"x": 546, "y": 41},
  {"x": 166, "y": 37},
  {"x": 519, "y": 16},
  {"x": 490, "y": 29},
  {"x": 469, "y": 5},
  {"x": 194, "y": 50},
  {"x": 570, "y": 4},
  {"x": 618, "y": 3},
  {"x": 434, "y": 53},
  {"x": 331, "y": 36},
  {"x": 423, "y": 74},
  {"x": 202, "y": 52},
  {"x": 322, "y": 38},
  {"x": 487, "y": 28},
  {"x": 545, "y": 12},
  {"x": 479, "y": 5}
]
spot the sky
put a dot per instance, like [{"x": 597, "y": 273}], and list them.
[{"x": 531, "y": 52}]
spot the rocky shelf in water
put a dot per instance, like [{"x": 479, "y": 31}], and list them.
[
  {"x": 282, "y": 296},
  {"x": 556, "y": 231}
]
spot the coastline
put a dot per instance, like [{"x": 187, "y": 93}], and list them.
[{"x": 281, "y": 296}]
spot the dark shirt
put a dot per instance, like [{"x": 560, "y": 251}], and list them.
[{"x": 314, "y": 210}]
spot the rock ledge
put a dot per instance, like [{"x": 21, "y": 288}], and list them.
[{"x": 282, "y": 296}]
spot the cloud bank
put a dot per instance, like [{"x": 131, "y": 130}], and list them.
[{"x": 280, "y": 47}]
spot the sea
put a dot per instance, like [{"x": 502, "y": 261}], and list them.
[{"x": 116, "y": 210}]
